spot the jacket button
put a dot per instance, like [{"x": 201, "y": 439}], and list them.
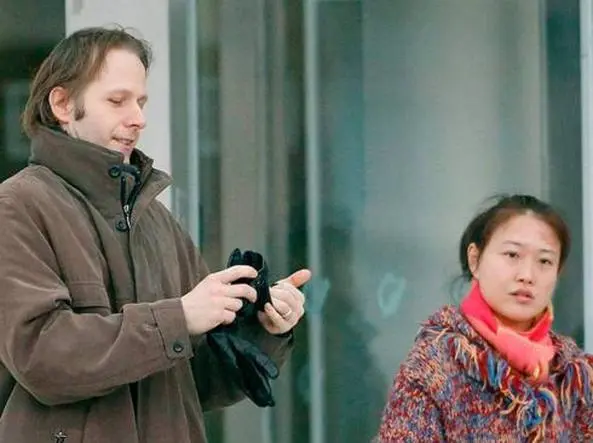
[
  {"x": 178, "y": 347},
  {"x": 114, "y": 171},
  {"x": 121, "y": 225}
]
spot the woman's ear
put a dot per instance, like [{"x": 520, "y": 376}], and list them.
[
  {"x": 61, "y": 105},
  {"x": 473, "y": 259}
]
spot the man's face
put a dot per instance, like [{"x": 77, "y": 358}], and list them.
[{"x": 112, "y": 105}]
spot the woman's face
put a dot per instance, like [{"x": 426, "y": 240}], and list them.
[{"x": 518, "y": 269}]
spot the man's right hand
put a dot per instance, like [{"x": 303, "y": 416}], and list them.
[{"x": 215, "y": 300}]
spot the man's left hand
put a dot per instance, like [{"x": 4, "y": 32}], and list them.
[{"x": 287, "y": 306}]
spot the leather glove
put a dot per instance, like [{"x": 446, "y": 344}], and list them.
[
  {"x": 251, "y": 368},
  {"x": 259, "y": 283}
]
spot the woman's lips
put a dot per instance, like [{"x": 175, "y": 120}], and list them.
[{"x": 523, "y": 295}]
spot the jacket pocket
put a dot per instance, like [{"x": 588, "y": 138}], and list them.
[
  {"x": 89, "y": 298},
  {"x": 66, "y": 423},
  {"x": 25, "y": 420}
]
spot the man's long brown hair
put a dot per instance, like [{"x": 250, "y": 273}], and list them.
[{"x": 73, "y": 64}]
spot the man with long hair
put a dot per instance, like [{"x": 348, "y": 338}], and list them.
[{"x": 105, "y": 304}]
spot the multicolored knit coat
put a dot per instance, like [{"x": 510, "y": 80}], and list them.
[{"x": 454, "y": 386}]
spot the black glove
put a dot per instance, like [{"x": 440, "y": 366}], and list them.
[
  {"x": 259, "y": 283},
  {"x": 251, "y": 368}
]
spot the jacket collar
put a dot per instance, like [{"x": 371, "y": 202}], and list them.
[
  {"x": 450, "y": 320},
  {"x": 96, "y": 171}
]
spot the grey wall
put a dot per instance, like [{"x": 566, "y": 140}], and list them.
[{"x": 454, "y": 114}]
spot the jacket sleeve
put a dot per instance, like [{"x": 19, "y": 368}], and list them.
[
  {"x": 410, "y": 415},
  {"x": 60, "y": 356},
  {"x": 215, "y": 388}
]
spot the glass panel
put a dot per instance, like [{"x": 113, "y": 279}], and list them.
[
  {"x": 205, "y": 26},
  {"x": 564, "y": 165},
  {"x": 428, "y": 108},
  {"x": 21, "y": 53},
  {"x": 250, "y": 158}
]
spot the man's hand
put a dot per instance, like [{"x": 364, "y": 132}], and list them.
[
  {"x": 215, "y": 300},
  {"x": 287, "y": 305}
]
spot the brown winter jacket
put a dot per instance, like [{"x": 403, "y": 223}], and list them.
[{"x": 94, "y": 346}]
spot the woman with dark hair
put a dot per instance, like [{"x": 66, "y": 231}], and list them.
[{"x": 492, "y": 369}]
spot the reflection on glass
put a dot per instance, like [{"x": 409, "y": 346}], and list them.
[
  {"x": 426, "y": 109},
  {"x": 21, "y": 52}
]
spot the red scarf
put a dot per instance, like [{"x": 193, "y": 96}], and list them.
[{"x": 529, "y": 352}]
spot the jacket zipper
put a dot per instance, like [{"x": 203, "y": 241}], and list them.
[
  {"x": 127, "y": 207},
  {"x": 128, "y": 201},
  {"x": 128, "y": 216}
]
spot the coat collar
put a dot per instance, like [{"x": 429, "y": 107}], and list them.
[{"x": 96, "y": 171}]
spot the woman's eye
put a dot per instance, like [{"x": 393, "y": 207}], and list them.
[
  {"x": 511, "y": 254},
  {"x": 546, "y": 261},
  {"x": 115, "y": 101}
]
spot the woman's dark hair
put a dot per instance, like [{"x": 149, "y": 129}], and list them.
[{"x": 481, "y": 228}]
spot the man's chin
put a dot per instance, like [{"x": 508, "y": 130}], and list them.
[{"x": 123, "y": 149}]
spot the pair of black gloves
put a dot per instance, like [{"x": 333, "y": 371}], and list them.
[{"x": 251, "y": 368}]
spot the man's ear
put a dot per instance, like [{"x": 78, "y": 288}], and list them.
[
  {"x": 473, "y": 259},
  {"x": 61, "y": 105}
]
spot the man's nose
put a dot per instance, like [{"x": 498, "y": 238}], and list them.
[{"x": 137, "y": 117}]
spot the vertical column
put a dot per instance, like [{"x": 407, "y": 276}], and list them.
[
  {"x": 315, "y": 332},
  {"x": 587, "y": 146},
  {"x": 281, "y": 124},
  {"x": 193, "y": 126},
  {"x": 243, "y": 178}
]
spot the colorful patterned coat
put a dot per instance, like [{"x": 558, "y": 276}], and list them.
[{"x": 455, "y": 387}]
